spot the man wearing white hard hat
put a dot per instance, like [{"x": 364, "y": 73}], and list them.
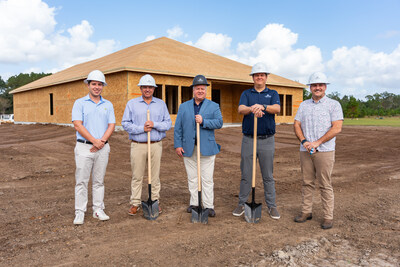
[
  {"x": 262, "y": 102},
  {"x": 135, "y": 123},
  {"x": 316, "y": 125},
  {"x": 94, "y": 120}
]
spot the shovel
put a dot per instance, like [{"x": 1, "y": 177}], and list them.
[
  {"x": 150, "y": 207},
  {"x": 199, "y": 214},
  {"x": 252, "y": 211}
]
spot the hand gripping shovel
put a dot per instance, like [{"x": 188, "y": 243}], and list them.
[
  {"x": 199, "y": 214},
  {"x": 150, "y": 207},
  {"x": 252, "y": 211}
]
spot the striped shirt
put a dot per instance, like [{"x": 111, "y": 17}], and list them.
[{"x": 135, "y": 116}]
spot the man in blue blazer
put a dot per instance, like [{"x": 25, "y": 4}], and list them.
[{"x": 208, "y": 114}]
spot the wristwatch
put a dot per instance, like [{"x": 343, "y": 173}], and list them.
[{"x": 265, "y": 107}]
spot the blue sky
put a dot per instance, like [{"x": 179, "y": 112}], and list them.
[{"x": 357, "y": 43}]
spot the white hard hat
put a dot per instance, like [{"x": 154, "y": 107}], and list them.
[
  {"x": 259, "y": 68},
  {"x": 96, "y": 75},
  {"x": 147, "y": 80},
  {"x": 317, "y": 77}
]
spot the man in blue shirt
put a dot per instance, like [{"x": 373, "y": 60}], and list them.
[
  {"x": 135, "y": 123},
  {"x": 208, "y": 114},
  {"x": 94, "y": 120},
  {"x": 264, "y": 104}
]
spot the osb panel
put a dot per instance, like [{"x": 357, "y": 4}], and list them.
[
  {"x": 225, "y": 101},
  {"x": 237, "y": 92},
  {"x": 34, "y": 106},
  {"x": 297, "y": 98}
]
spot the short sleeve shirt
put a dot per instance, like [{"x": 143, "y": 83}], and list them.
[
  {"x": 95, "y": 117},
  {"x": 316, "y": 120},
  {"x": 265, "y": 124}
]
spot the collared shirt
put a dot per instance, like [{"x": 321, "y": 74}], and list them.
[
  {"x": 197, "y": 107},
  {"x": 95, "y": 117},
  {"x": 196, "y": 112},
  {"x": 265, "y": 124},
  {"x": 316, "y": 120},
  {"x": 135, "y": 116}
]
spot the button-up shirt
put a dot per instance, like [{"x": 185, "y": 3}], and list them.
[
  {"x": 135, "y": 116},
  {"x": 95, "y": 117},
  {"x": 316, "y": 120},
  {"x": 197, "y": 107},
  {"x": 196, "y": 112}
]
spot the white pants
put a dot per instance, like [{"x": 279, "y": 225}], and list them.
[
  {"x": 90, "y": 163},
  {"x": 207, "y": 183}
]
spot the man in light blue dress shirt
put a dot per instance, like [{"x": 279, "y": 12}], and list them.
[
  {"x": 135, "y": 123},
  {"x": 94, "y": 120}
]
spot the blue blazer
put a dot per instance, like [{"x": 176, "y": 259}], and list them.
[{"x": 185, "y": 128}]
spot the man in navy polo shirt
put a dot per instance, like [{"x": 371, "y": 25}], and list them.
[{"x": 263, "y": 103}]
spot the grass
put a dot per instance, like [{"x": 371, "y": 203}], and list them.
[{"x": 374, "y": 121}]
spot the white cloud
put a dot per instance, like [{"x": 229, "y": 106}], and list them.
[
  {"x": 27, "y": 34},
  {"x": 362, "y": 68},
  {"x": 149, "y": 38},
  {"x": 175, "y": 32},
  {"x": 215, "y": 43},
  {"x": 354, "y": 71},
  {"x": 274, "y": 45}
]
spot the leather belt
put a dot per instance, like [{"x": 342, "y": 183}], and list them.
[
  {"x": 151, "y": 142},
  {"x": 87, "y": 142},
  {"x": 259, "y": 136}
]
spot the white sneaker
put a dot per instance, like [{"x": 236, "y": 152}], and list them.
[
  {"x": 100, "y": 214},
  {"x": 79, "y": 218}
]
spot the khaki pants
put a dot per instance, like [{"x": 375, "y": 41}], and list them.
[
  {"x": 318, "y": 166},
  {"x": 207, "y": 182},
  {"x": 139, "y": 165},
  {"x": 88, "y": 163}
]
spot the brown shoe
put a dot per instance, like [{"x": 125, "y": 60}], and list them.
[
  {"x": 327, "y": 224},
  {"x": 303, "y": 217},
  {"x": 133, "y": 210}
]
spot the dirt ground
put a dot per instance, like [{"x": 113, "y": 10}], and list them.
[{"x": 37, "y": 206}]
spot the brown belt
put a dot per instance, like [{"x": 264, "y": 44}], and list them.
[{"x": 151, "y": 142}]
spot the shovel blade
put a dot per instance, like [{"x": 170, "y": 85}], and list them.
[
  {"x": 252, "y": 212},
  {"x": 150, "y": 209},
  {"x": 199, "y": 215}
]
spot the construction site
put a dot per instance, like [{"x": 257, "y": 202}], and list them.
[
  {"x": 38, "y": 178},
  {"x": 172, "y": 64},
  {"x": 37, "y": 195}
]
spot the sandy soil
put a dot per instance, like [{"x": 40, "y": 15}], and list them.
[{"x": 37, "y": 206}]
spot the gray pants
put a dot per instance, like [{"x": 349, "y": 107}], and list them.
[{"x": 265, "y": 155}]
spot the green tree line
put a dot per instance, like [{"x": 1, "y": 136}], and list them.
[
  {"x": 6, "y": 99},
  {"x": 384, "y": 104}
]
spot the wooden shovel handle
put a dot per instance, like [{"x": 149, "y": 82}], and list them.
[
  {"x": 253, "y": 182},
  {"x": 148, "y": 150},
  {"x": 198, "y": 155}
]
